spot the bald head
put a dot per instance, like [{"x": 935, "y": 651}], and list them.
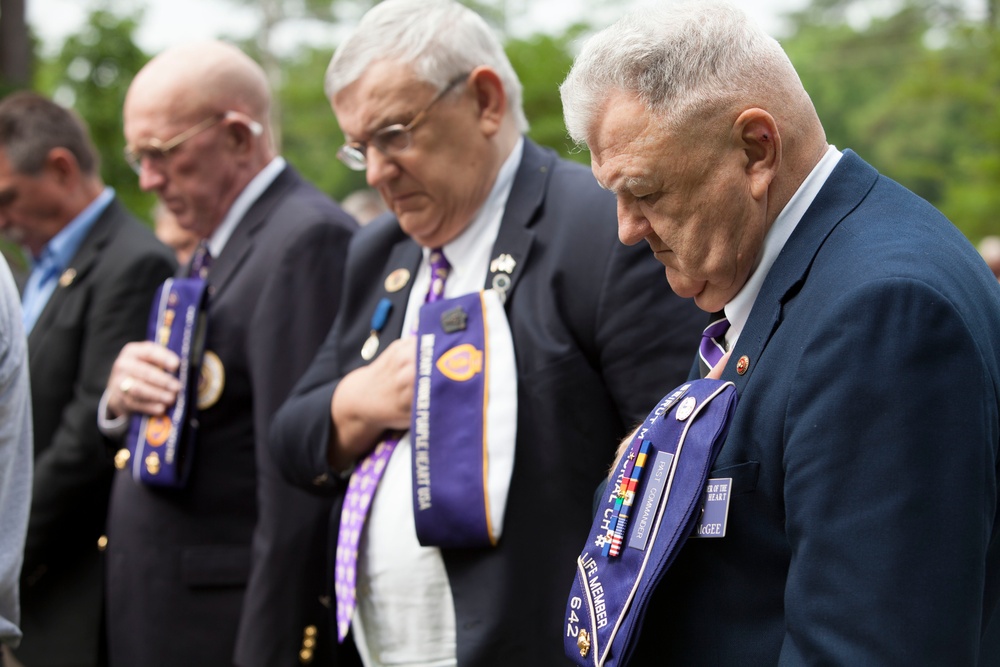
[
  {"x": 196, "y": 128},
  {"x": 195, "y": 80}
]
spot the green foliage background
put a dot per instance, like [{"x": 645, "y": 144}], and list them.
[{"x": 916, "y": 93}]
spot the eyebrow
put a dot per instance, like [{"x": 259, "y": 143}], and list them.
[{"x": 628, "y": 184}]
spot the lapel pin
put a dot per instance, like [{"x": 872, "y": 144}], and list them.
[
  {"x": 396, "y": 280},
  {"x": 743, "y": 365},
  {"x": 454, "y": 320},
  {"x": 67, "y": 277},
  {"x": 503, "y": 263}
]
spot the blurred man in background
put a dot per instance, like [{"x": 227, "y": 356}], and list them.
[
  {"x": 15, "y": 456},
  {"x": 94, "y": 270}
]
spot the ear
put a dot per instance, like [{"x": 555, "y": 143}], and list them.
[
  {"x": 61, "y": 165},
  {"x": 491, "y": 98},
  {"x": 240, "y": 134},
  {"x": 757, "y": 135}
]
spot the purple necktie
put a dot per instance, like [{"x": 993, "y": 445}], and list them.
[
  {"x": 713, "y": 343},
  {"x": 201, "y": 261},
  {"x": 361, "y": 488}
]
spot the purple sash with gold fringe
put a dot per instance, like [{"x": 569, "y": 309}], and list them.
[{"x": 463, "y": 425}]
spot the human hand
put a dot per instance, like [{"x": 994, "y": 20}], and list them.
[
  {"x": 373, "y": 399},
  {"x": 143, "y": 380}
]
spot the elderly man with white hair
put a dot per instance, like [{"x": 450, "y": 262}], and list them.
[{"x": 862, "y": 331}]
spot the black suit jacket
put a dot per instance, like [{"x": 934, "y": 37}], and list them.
[
  {"x": 100, "y": 304},
  {"x": 231, "y": 560},
  {"x": 598, "y": 336}
]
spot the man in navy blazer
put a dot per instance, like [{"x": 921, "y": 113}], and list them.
[
  {"x": 220, "y": 572},
  {"x": 863, "y": 342},
  {"x": 432, "y": 110}
]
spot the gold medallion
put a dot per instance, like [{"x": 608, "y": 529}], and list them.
[
  {"x": 153, "y": 463},
  {"x": 211, "y": 381},
  {"x": 121, "y": 458},
  {"x": 583, "y": 643},
  {"x": 397, "y": 280}
]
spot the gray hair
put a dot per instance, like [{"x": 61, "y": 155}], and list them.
[
  {"x": 32, "y": 125},
  {"x": 679, "y": 60},
  {"x": 440, "y": 39}
]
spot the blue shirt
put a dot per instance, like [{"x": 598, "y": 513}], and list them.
[{"x": 55, "y": 258}]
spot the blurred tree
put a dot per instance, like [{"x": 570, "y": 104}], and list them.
[
  {"x": 311, "y": 133},
  {"x": 15, "y": 46},
  {"x": 275, "y": 14},
  {"x": 542, "y": 62},
  {"x": 91, "y": 74},
  {"x": 916, "y": 93}
]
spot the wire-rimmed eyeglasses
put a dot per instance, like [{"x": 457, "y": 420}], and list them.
[
  {"x": 156, "y": 151},
  {"x": 391, "y": 139}
]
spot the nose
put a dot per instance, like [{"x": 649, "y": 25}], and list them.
[
  {"x": 150, "y": 176},
  {"x": 632, "y": 225},
  {"x": 381, "y": 167}
]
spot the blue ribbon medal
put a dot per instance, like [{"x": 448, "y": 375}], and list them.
[{"x": 652, "y": 507}]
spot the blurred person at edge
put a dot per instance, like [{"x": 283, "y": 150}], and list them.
[
  {"x": 224, "y": 570},
  {"x": 432, "y": 110},
  {"x": 864, "y": 345},
  {"x": 95, "y": 268},
  {"x": 15, "y": 456}
]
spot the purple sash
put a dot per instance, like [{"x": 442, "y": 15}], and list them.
[
  {"x": 161, "y": 446},
  {"x": 647, "y": 515},
  {"x": 461, "y": 466}
]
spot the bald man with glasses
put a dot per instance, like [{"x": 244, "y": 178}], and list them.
[
  {"x": 222, "y": 567},
  {"x": 433, "y": 115}
]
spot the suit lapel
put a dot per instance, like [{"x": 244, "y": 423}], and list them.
[
  {"x": 76, "y": 272},
  {"x": 847, "y": 186},
  {"x": 514, "y": 240},
  {"x": 405, "y": 256},
  {"x": 239, "y": 245}
]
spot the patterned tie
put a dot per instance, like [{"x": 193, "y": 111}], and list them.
[
  {"x": 713, "y": 343},
  {"x": 201, "y": 262},
  {"x": 361, "y": 488}
]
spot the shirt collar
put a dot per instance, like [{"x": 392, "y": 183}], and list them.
[
  {"x": 250, "y": 194},
  {"x": 738, "y": 309},
  {"x": 61, "y": 248},
  {"x": 485, "y": 224}
]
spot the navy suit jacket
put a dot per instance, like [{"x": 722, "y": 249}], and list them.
[
  {"x": 99, "y": 306},
  {"x": 597, "y": 335},
  {"x": 226, "y": 561},
  {"x": 863, "y": 522}
]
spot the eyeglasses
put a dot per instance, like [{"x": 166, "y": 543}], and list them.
[
  {"x": 156, "y": 151},
  {"x": 393, "y": 138}
]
